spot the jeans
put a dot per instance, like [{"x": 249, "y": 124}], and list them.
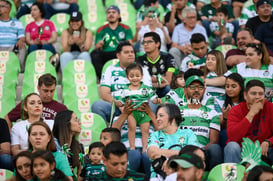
[
  {"x": 214, "y": 156},
  {"x": 161, "y": 92},
  {"x": 223, "y": 138},
  {"x": 67, "y": 57},
  {"x": 138, "y": 160},
  {"x": 232, "y": 152},
  {"x": 50, "y": 10},
  {"x": 6, "y": 162},
  {"x": 48, "y": 47},
  {"x": 103, "y": 108}
]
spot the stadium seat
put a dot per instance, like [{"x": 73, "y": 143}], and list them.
[
  {"x": 109, "y": 63},
  {"x": 227, "y": 171},
  {"x": 225, "y": 48},
  {"x": 61, "y": 22},
  {"x": 26, "y": 19},
  {"x": 92, "y": 125}
]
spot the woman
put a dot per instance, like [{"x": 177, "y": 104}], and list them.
[
  {"x": 32, "y": 111},
  {"x": 215, "y": 67},
  {"x": 44, "y": 167},
  {"x": 41, "y": 138},
  {"x": 41, "y": 33},
  {"x": 76, "y": 41},
  {"x": 22, "y": 164},
  {"x": 153, "y": 25},
  {"x": 256, "y": 67},
  {"x": 169, "y": 138},
  {"x": 66, "y": 127}
]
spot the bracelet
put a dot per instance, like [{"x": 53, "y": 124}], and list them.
[{"x": 269, "y": 143}]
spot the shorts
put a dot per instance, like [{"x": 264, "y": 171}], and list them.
[{"x": 141, "y": 117}]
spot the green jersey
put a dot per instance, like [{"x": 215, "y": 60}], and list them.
[
  {"x": 200, "y": 121},
  {"x": 195, "y": 60},
  {"x": 91, "y": 169},
  {"x": 111, "y": 38},
  {"x": 215, "y": 91}
]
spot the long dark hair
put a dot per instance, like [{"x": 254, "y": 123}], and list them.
[
  {"x": 62, "y": 131},
  {"x": 26, "y": 154},
  {"x": 56, "y": 174},
  {"x": 240, "y": 80}
]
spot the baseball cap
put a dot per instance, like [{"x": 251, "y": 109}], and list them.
[
  {"x": 151, "y": 9},
  {"x": 261, "y": 2},
  {"x": 192, "y": 79},
  {"x": 76, "y": 16},
  {"x": 114, "y": 8},
  {"x": 187, "y": 160}
]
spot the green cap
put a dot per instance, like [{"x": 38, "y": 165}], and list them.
[
  {"x": 152, "y": 10},
  {"x": 192, "y": 79},
  {"x": 187, "y": 160}
]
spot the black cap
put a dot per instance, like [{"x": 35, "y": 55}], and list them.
[
  {"x": 261, "y": 2},
  {"x": 76, "y": 16}
]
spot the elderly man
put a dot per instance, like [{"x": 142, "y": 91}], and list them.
[
  {"x": 182, "y": 33},
  {"x": 253, "y": 119},
  {"x": 189, "y": 166},
  {"x": 204, "y": 121}
]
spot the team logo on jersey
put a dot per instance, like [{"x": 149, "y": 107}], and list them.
[
  {"x": 47, "y": 28},
  {"x": 204, "y": 115},
  {"x": 181, "y": 140},
  {"x": 144, "y": 92},
  {"x": 266, "y": 73},
  {"x": 12, "y": 23},
  {"x": 162, "y": 67},
  {"x": 121, "y": 35}
]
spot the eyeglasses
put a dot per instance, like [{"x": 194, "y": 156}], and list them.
[
  {"x": 148, "y": 42},
  {"x": 193, "y": 87}
]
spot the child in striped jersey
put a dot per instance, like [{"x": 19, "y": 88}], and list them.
[
  {"x": 138, "y": 93},
  {"x": 94, "y": 165},
  {"x": 177, "y": 80},
  {"x": 215, "y": 67}
]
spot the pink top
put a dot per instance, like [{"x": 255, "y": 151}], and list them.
[{"x": 44, "y": 31}]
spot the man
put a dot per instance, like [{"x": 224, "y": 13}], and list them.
[
  {"x": 46, "y": 89},
  {"x": 12, "y": 33},
  {"x": 60, "y": 6},
  {"x": 236, "y": 56},
  {"x": 197, "y": 59},
  {"x": 115, "y": 161},
  {"x": 157, "y": 63},
  {"x": 264, "y": 15},
  {"x": 190, "y": 167},
  {"x": 108, "y": 37},
  {"x": 115, "y": 79},
  {"x": 181, "y": 35},
  {"x": 253, "y": 119},
  {"x": 204, "y": 121}
]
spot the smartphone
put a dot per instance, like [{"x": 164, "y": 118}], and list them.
[{"x": 76, "y": 33}]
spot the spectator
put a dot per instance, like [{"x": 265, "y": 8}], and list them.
[
  {"x": 215, "y": 68},
  {"x": 108, "y": 37},
  {"x": 60, "y": 6},
  {"x": 236, "y": 56},
  {"x": 76, "y": 41},
  {"x": 5, "y": 152},
  {"x": 197, "y": 58},
  {"x": 46, "y": 88},
  {"x": 22, "y": 165},
  {"x": 221, "y": 28},
  {"x": 237, "y": 7},
  {"x": 66, "y": 127},
  {"x": 157, "y": 63},
  {"x": 12, "y": 36},
  {"x": 153, "y": 25},
  {"x": 115, "y": 79},
  {"x": 178, "y": 80},
  {"x": 252, "y": 119},
  {"x": 44, "y": 167},
  {"x": 182, "y": 33},
  {"x": 198, "y": 116},
  {"x": 264, "y": 15},
  {"x": 190, "y": 167},
  {"x": 108, "y": 135},
  {"x": 259, "y": 173},
  {"x": 256, "y": 67},
  {"x": 116, "y": 152},
  {"x": 33, "y": 108},
  {"x": 41, "y": 33},
  {"x": 167, "y": 140}
]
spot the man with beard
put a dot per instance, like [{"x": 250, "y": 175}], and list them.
[
  {"x": 108, "y": 37},
  {"x": 203, "y": 121}
]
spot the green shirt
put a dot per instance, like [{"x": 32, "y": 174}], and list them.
[
  {"x": 111, "y": 38},
  {"x": 130, "y": 176},
  {"x": 210, "y": 11}
]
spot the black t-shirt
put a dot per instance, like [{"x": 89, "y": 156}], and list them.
[
  {"x": 4, "y": 131},
  {"x": 254, "y": 22},
  {"x": 164, "y": 63}
]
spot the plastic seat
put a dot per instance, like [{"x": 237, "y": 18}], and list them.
[
  {"x": 26, "y": 19},
  {"x": 79, "y": 86},
  {"x": 227, "y": 171},
  {"x": 92, "y": 125},
  {"x": 91, "y": 6},
  {"x": 5, "y": 174},
  {"x": 93, "y": 20},
  {"x": 109, "y": 63},
  {"x": 128, "y": 15},
  {"x": 61, "y": 22},
  {"x": 37, "y": 64},
  {"x": 116, "y": 2}
]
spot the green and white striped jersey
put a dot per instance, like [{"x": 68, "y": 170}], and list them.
[
  {"x": 215, "y": 91},
  {"x": 197, "y": 62}
]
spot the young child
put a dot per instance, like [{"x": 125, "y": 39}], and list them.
[
  {"x": 138, "y": 93},
  {"x": 109, "y": 134},
  {"x": 177, "y": 80},
  {"x": 94, "y": 166},
  {"x": 221, "y": 29}
]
